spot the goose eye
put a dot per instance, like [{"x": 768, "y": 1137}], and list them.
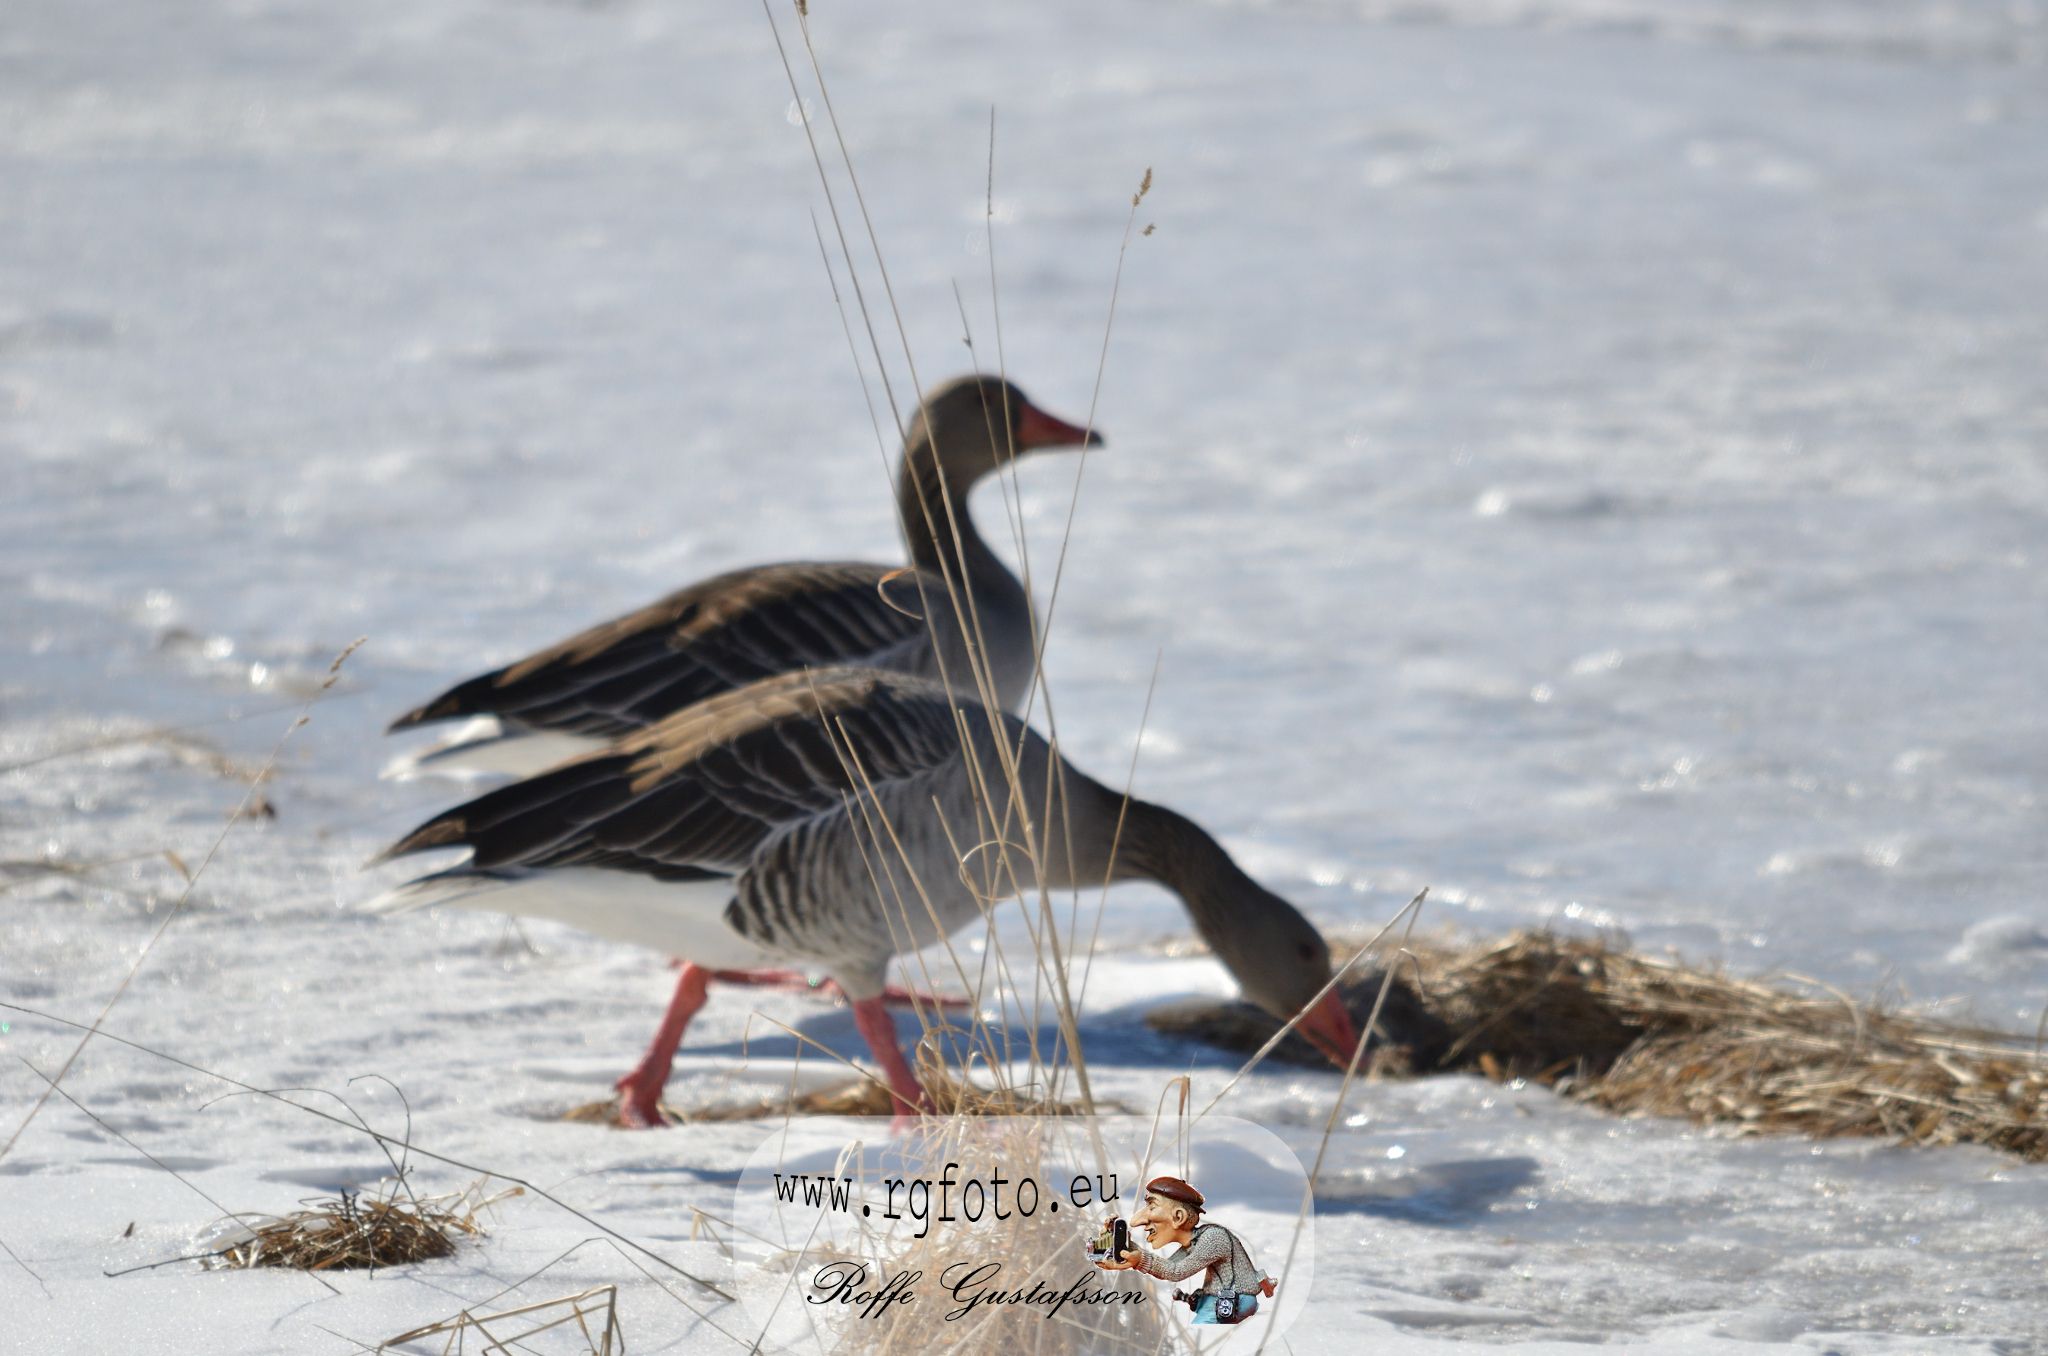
[{"x": 1308, "y": 953}]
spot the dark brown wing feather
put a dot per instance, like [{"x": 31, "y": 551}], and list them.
[
  {"x": 701, "y": 791},
  {"x": 712, "y": 637}
]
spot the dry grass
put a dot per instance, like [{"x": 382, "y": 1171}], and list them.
[
  {"x": 1758, "y": 1056},
  {"x": 351, "y": 1232},
  {"x": 952, "y": 1092},
  {"x": 509, "y": 1329},
  {"x": 1021, "y": 835},
  {"x": 1642, "y": 1035},
  {"x": 851, "y": 1097},
  {"x": 1041, "y": 1247}
]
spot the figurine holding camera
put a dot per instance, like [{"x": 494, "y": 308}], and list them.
[{"x": 1172, "y": 1214}]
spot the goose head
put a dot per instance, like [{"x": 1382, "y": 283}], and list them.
[
  {"x": 979, "y": 423},
  {"x": 1282, "y": 964},
  {"x": 1279, "y": 960}
]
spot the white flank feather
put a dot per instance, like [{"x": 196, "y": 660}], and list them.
[{"x": 676, "y": 918}]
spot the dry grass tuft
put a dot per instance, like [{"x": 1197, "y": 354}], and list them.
[
  {"x": 1639, "y": 1035},
  {"x": 853, "y": 1097},
  {"x": 952, "y": 1094},
  {"x": 597, "y": 1307},
  {"x": 605, "y": 1111},
  {"x": 1644, "y": 1036},
  {"x": 1043, "y": 1247},
  {"x": 351, "y": 1231}
]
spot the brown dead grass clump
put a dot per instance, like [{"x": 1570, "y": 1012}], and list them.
[
  {"x": 351, "y": 1231},
  {"x": 851, "y": 1097},
  {"x": 1040, "y": 1248},
  {"x": 950, "y": 1092},
  {"x": 1648, "y": 1036},
  {"x": 1642, "y": 1035}
]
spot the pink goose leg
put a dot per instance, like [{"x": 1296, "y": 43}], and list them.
[
  {"x": 878, "y": 1028},
  {"x": 640, "y": 1090}
]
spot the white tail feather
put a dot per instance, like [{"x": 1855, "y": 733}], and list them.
[
  {"x": 458, "y": 888},
  {"x": 481, "y": 747}
]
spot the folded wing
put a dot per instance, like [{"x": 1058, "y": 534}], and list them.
[
  {"x": 701, "y": 791},
  {"x": 710, "y": 638}
]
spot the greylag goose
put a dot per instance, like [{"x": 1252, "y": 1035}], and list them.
[
  {"x": 748, "y": 624},
  {"x": 737, "y": 834}
]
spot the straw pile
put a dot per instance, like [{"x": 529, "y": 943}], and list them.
[
  {"x": 1645, "y": 1036},
  {"x": 348, "y": 1231}
]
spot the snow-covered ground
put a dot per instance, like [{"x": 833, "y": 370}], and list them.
[{"x": 1587, "y": 457}]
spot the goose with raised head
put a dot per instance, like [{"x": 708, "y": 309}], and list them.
[
  {"x": 738, "y": 627},
  {"x": 739, "y": 834}
]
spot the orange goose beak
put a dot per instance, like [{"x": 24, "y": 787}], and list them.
[
  {"x": 1329, "y": 1028},
  {"x": 1036, "y": 428}
]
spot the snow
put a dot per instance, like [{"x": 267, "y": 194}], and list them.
[{"x": 1583, "y": 456}]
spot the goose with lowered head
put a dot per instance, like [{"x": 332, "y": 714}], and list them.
[{"x": 738, "y": 834}]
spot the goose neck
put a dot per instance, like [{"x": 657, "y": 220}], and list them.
[{"x": 931, "y": 507}]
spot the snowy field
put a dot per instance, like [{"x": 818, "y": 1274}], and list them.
[{"x": 1586, "y": 456}]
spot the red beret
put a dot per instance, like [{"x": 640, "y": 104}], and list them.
[{"x": 1173, "y": 1189}]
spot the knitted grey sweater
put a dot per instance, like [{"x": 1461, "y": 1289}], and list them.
[{"x": 1213, "y": 1249}]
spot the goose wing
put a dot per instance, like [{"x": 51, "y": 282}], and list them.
[
  {"x": 709, "y": 638},
  {"x": 700, "y": 792}
]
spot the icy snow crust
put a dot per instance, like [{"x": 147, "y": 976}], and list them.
[{"x": 1585, "y": 458}]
